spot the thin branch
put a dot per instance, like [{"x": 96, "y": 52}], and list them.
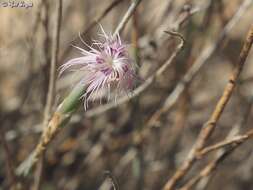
[
  {"x": 209, "y": 168},
  {"x": 234, "y": 140},
  {"x": 112, "y": 179},
  {"x": 127, "y": 16},
  {"x": 199, "y": 63},
  {"x": 38, "y": 176},
  {"x": 223, "y": 152},
  {"x": 203, "y": 180},
  {"x": 211, "y": 123},
  {"x": 135, "y": 37},
  {"x": 51, "y": 88},
  {"x": 54, "y": 59},
  {"x": 12, "y": 181},
  {"x": 91, "y": 25}
]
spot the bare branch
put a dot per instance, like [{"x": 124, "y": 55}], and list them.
[
  {"x": 234, "y": 140},
  {"x": 127, "y": 16},
  {"x": 199, "y": 63},
  {"x": 211, "y": 123}
]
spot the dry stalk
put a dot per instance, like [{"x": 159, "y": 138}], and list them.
[
  {"x": 231, "y": 145},
  {"x": 228, "y": 142},
  {"x": 52, "y": 86},
  {"x": 10, "y": 174},
  {"x": 91, "y": 25},
  {"x": 209, "y": 127},
  {"x": 199, "y": 63},
  {"x": 223, "y": 151}
]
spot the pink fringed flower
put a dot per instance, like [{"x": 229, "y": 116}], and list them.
[{"x": 107, "y": 69}]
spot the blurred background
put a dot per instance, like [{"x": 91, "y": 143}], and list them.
[{"x": 118, "y": 148}]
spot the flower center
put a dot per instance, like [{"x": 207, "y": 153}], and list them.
[{"x": 109, "y": 60}]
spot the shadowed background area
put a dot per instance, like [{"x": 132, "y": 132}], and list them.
[{"x": 137, "y": 144}]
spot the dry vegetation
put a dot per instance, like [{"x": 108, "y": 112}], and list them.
[{"x": 187, "y": 125}]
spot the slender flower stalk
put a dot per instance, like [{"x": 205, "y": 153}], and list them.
[{"x": 119, "y": 74}]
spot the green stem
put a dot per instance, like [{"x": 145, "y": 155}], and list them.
[
  {"x": 72, "y": 101},
  {"x": 64, "y": 111}
]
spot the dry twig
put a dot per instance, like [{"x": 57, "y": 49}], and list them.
[
  {"x": 11, "y": 177},
  {"x": 91, "y": 25},
  {"x": 232, "y": 144},
  {"x": 209, "y": 127},
  {"x": 199, "y": 63},
  {"x": 228, "y": 142},
  {"x": 203, "y": 176},
  {"x": 112, "y": 179},
  {"x": 52, "y": 86}
]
